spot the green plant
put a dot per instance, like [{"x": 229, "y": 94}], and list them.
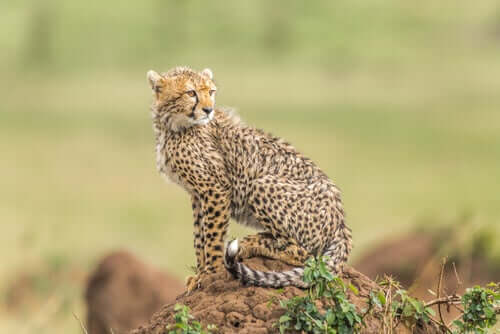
[
  {"x": 302, "y": 313},
  {"x": 184, "y": 323},
  {"x": 409, "y": 309},
  {"x": 481, "y": 306}
]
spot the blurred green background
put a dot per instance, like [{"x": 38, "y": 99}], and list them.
[{"x": 398, "y": 101}]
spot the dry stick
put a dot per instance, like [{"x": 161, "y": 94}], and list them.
[
  {"x": 388, "y": 301},
  {"x": 81, "y": 323},
  {"x": 448, "y": 300},
  {"x": 440, "y": 282},
  {"x": 459, "y": 282},
  {"x": 444, "y": 300}
]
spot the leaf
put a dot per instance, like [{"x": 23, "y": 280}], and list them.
[
  {"x": 381, "y": 298},
  {"x": 330, "y": 317},
  {"x": 285, "y": 318},
  {"x": 417, "y": 305},
  {"x": 349, "y": 318},
  {"x": 459, "y": 324},
  {"x": 430, "y": 311},
  {"x": 488, "y": 312},
  {"x": 353, "y": 289}
]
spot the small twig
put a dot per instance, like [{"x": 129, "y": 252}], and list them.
[
  {"x": 444, "y": 300},
  {"x": 440, "y": 282},
  {"x": 388, "y": 302},
  {"x": 369, "y": 309},
  {"x": 459, "y": 282},
  {"x": 81, "y": 323},
  {"x": 458, "y": 308}
]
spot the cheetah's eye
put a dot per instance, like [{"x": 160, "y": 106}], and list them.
[
  {"x": 191, "y": 93},
  {"x": 211, "y": 92}
]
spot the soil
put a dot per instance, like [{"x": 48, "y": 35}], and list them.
[
  {"x": 233, "y": 308},
  {"x": 123, "y": 293}
]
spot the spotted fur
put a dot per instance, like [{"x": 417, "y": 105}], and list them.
[{"x": 232, "y": 170}]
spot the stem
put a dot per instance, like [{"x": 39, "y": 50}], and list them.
[
  {"x": 444, "y": 300},
  {"x": 440, "y": 281}
]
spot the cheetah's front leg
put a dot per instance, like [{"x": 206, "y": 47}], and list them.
[
  {"x": 199, "y": 238},
  {"x": 215, "y": 211}
]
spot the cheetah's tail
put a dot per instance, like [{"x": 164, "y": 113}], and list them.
[
  {"x": 339, "y": 249},
  {"x": 337, "y": 253},
  {"x": 251, "y": 276}
]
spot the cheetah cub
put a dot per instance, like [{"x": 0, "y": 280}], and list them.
[{"x": 231, "y": 170}]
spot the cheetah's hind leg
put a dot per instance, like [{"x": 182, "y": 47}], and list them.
[{"x": 264, "y": 244}]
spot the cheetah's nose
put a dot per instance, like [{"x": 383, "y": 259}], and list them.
[{"x": 207, "y": 110}]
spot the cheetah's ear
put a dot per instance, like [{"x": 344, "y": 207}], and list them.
[
  {"x": 155, "y": 80},
  {"x": 208, "y": 72}
]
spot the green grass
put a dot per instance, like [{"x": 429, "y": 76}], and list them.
[{"x": 398, "y": 103}]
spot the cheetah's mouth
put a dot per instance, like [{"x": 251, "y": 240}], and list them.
[{"x": 204, "y": 120}]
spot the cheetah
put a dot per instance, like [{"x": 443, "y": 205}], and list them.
[{"x": 232, "y": 170}]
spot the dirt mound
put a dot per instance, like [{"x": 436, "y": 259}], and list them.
[
  {"x": 415, "y": 261},
  {"x": 401, "y": 258},
  {"x": 123, "y": 293},
  {"x": 234, "y": 308}
]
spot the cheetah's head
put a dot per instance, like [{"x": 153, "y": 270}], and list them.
[{"x": 182, "y": 97}]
